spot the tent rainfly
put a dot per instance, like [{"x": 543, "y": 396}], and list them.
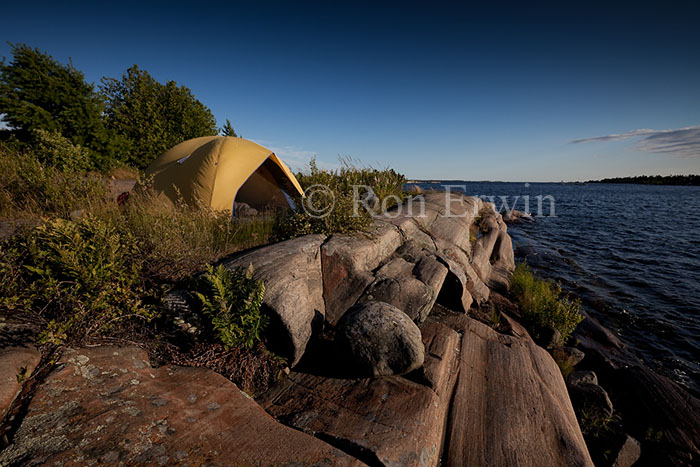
[{"x": 218, "y": 170}]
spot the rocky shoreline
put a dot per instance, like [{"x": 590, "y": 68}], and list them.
[{"x": 404, "y": 350}]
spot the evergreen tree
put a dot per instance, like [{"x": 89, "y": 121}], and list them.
[
  {"x": 152, "y": 117},
  {"x": 227, "y": 130}
]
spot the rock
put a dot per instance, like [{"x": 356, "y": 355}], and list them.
[
  {"x": 510, "y": 405},
  {"x": 456, "y": 217},
  {"x": 348, "y": 262},
  {"x": 569, "y": 356},
  {"x": 380, "y": 339},
  {"x": 577, "y": 378},
  {"x": 388, "y": 421},
  {"x": 406, "y": 293},
  {"x": 549, "y": 337},
  {"x": 291, "y": 271},
  {"x": 514, "y": 216},
  {"x": 629, "y": 453},
  {"x": 414, "y": 189},
  {"x": 431, "y": 272},
  {"x": 591, "y": 399},
  {"x": 16, "y": 365},
  {"x": 476, "y": 287},
  {"x": 107, "y": 405},
  {"x": 502, "y": 262},
  {"x": 455, "y": 291}
]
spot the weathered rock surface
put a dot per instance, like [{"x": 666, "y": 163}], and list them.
[
  {"x": 293, "y": 290},
  {"x": 16, "y": 364},
  {"x": 628, "y": 454},
  {"x": 510, "y": 406},
  {"x": 108, "y": 406},
  {"x": 387, "y": 421},
  {"x": 348, "y": 262},
  {"x": 380, "y": 340}
]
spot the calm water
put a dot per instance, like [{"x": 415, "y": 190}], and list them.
[{"x": 631, "y": 252}]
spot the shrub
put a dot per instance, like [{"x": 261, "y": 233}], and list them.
[
  {"x": 76, "y": 277},
  {"x": 29, "y": 188},
  {"x": 53, "y": 149},
  {"x": 331, "y": 206},
  {"x": 232, "y": 299},
  {"x": 541, "y": 303}
]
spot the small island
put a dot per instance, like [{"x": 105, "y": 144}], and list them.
[{"x": 688, "y": 180}]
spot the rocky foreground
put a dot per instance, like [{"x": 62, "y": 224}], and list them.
[{"x": 403, "y": 352}]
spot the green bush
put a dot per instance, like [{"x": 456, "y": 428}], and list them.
[
  {"x": 542, "y": 304},
  {"x": 331, "y": 206},
  {"x": 55, "y": 150},
  {"x": 78, "y": 278},
  {"x": 29, "y": 188},
  {"x": 232, "y": 301}
]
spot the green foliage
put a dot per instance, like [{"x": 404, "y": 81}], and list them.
[
  {"x": 151, "y": 117},
  {"x": 338, "y": 202},
  {"x": 232, "y": 301},
  {"x": 541, "y": 303},
  {"x": 227, "y": 130},
  {"x": 77, "y": 277},
  {"x": 39, "y": 93},
  {"x": 29, "y": 188},
  {"x": 54, "y": 149},
  {"x": 593, "y": 424}
]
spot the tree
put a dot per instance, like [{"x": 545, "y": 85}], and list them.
[
  {"x": 152, "y": 117},
  {"x": 39, "y": 93},
  {"x": 227, "y": 130}
]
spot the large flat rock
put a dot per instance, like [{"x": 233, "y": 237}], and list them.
[
  {"x": 386, "y": 421},
  {"x": 510, "y": 405},
  {"x": 108, "y": 406}
]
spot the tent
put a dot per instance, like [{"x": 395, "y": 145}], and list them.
[{"x": 218, "y": 170}]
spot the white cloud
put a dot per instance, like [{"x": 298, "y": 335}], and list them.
[{"x": 683, "y": 142}]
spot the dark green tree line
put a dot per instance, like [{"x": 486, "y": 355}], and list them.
[{"x": 130, "y": 120}]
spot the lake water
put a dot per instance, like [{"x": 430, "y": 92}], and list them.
[{"x": 631, "y": 252}]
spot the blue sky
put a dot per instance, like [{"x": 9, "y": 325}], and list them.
[{"x": 501, "y": 92}]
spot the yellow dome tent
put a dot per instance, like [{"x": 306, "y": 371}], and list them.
[{"x": 218, "y": 170}]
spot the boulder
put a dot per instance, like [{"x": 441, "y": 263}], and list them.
[
  {"x": 348, "y": 262},
  {"x": 455, "y": 291},
  {"x": 431, "y": 272},
  {"x": 16, "y": 365},
  {"x": 384, "y": 421},
  {"x": 513, "y": 216},
  {"x": 577, "y": 378},
  {"x": 570, "y": 356},
  {"x": 510, "y": 405},
  {"x": 502, "y": 262},
  {"x": 476, "y": 287},
  {"x": 291, "y": 271},
  {"x": 590, "y": 398},
  {"x": 109, "y": 406},
  {"x": 380, "y": 339},
  {"x": 629, "y": 453},
  {"x": 406, "y": 293},
  {"x": 549, "y": 337}
]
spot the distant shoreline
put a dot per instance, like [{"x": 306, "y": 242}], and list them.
[
  {"x": 678, "y": 180},
  {"x": 669, "y": 180}
]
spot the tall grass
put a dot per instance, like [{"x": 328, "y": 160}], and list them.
[
  {"x": 342, "y": 200},
  {"x": 542, "y": 303},
  {"x": 30, "y": 188}
]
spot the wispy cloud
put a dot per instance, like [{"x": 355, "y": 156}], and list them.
[{"x": 684, "y": 142}]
